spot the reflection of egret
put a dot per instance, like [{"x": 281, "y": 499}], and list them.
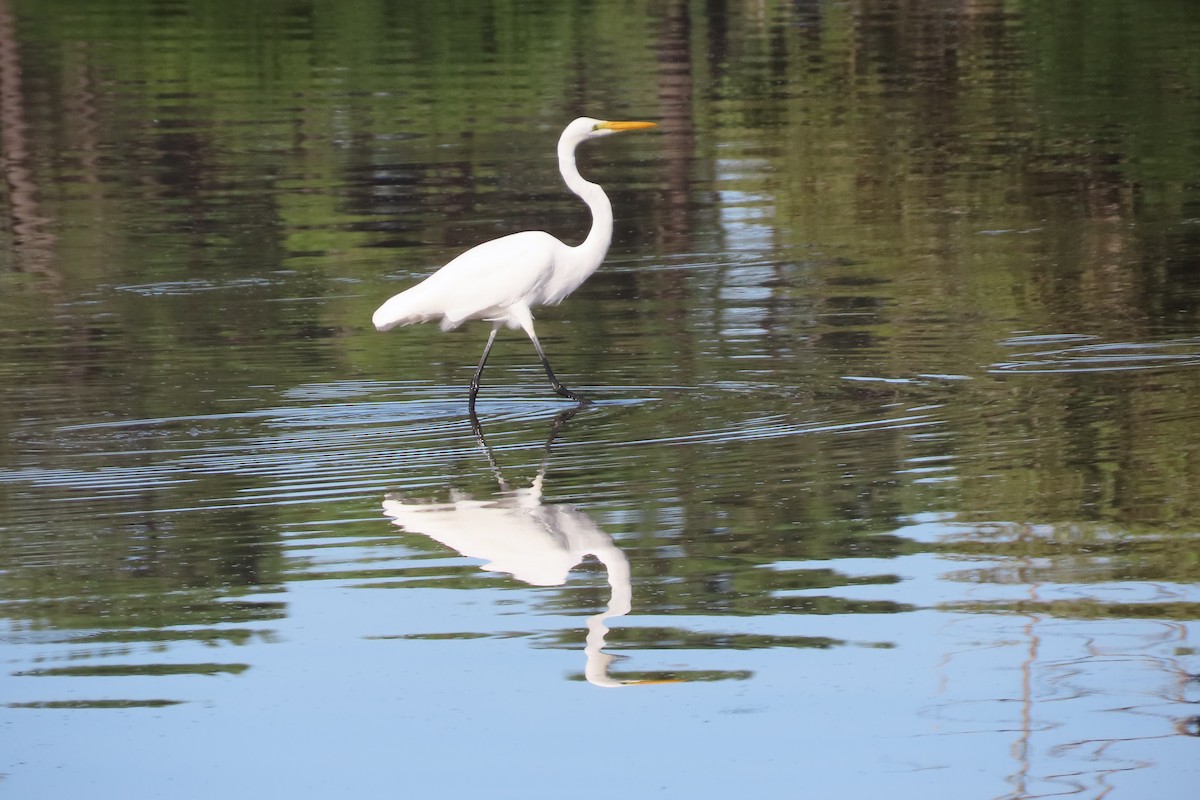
[
  {"x": 501, "y": 281},
  {"x": 533, "y": 541}
]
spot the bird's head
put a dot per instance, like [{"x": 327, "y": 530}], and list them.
[{"x": 588, "y": 128}]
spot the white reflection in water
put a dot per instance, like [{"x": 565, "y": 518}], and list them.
[
  {"x": 1082, "y": 353},
  {"x": 534, "y": 541}
]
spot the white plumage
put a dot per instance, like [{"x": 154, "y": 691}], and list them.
[{"x": 503, "y": 280}]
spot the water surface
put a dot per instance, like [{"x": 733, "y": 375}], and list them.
[{"x": 891, "y": 481}]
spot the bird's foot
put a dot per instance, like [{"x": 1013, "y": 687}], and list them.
[{"x": 563, "y": 391}]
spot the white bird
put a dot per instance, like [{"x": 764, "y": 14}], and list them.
[{"x": 501, "y": 281}]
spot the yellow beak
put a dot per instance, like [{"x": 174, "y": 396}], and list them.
[{"x": 627, "y": 126}]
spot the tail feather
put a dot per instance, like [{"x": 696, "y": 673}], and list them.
[{"x": 409, "y": 307}]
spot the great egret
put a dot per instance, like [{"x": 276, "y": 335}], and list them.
[{"x": 501, "y": 281}]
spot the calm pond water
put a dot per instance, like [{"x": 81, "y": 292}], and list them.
[{"x": 893, "y": 481}]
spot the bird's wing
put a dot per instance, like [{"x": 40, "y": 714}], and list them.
[{"x": 489, "y": 278}]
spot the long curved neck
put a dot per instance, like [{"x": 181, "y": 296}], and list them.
[{"x": 591, "y": 252}]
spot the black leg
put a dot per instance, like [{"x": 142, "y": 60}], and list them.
[
  {"x": 479, "y": 372},
  {"x": 559, "y": 389}
]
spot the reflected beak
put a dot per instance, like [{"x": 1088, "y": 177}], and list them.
[{"x": 627, "y": 126}]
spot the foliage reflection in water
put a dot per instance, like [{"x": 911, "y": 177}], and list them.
[
  {"x": 896, "y": 353},
  {"x": 1062, "y": 618}
]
